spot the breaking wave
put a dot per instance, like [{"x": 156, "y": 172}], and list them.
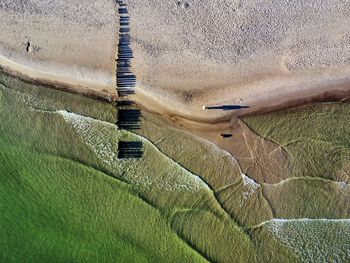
[{"x": 154, "y": 169}]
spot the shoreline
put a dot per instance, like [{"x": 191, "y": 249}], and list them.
[
  {"x": 100, "y": 92},
  {"x": 334, "y": 91}
]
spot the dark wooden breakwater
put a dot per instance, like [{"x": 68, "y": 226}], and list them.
[
  {"x": 128, "y": 115},
  {"x": 129, "y": 149}
]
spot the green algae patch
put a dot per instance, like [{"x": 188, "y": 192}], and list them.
[
  {"x": 58, "y": 210},
  {"x": 317, "y": 137},
  {"x": 2, "y": 103}
]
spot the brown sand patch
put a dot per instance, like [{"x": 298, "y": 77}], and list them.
[
  {"x": 261, "y": 159},
  {"x": 269, "y": 162}
]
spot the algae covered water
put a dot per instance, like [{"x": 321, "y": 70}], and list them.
[
  {"x": 65, "y": 196},
  {"x": 60, "y": 200}
]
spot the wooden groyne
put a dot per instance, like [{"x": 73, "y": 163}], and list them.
[{"x": 128, "y": 115}]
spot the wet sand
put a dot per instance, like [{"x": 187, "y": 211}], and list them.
[
  {"x": 91, "y": 90},
  {"x": 338, "y": 90}
]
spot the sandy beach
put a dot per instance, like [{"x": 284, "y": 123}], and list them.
[
  {"x": 65, "y": 45},
  {"x": 267, "y": 56}
]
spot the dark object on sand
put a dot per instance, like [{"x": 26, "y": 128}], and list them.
[
  {"x": 226, "y": 135},
  {"x": 225, "y": 107}
]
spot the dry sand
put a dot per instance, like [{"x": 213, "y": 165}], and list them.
[
  {"x": 264, "y": 54},
  {"x": 63, "y": 43}
]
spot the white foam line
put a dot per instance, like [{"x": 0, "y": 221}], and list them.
[
  {"x": 197, "y": 180},
  {"x": 246, "y": 179},
  {"x": 283, "y": 220},
  {"x": 341, "y": 184}
]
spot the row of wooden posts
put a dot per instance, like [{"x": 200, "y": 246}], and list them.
[{"x": 129, "y": 116}]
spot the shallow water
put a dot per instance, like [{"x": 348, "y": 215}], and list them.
[
  {"x": 47, "y": 133},
  {"x": 63, "y": 188}
]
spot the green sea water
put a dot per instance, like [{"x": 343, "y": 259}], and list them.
[
  {"x": 58, "y": 200},
  {"x": 66, "y": 197}
]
